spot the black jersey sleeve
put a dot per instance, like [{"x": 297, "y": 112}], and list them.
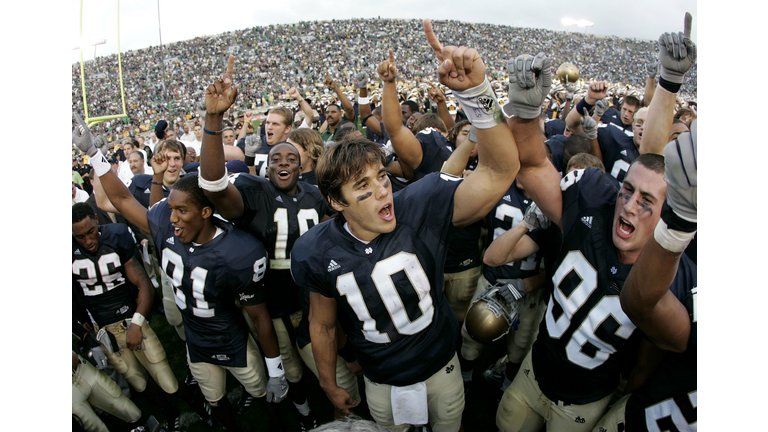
[{"x": 435, "y": 152}]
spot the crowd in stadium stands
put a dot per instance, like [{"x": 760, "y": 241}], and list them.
[
  {"x": 277, "y": 57},
  {"x": 544, "y": 210}
]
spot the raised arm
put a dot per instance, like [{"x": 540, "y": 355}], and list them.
[
  {"x": 407, "y": 147},
  {"x": 529, "y": 82},
  {"x": 596, "y": 91},
  {"x": 322, "y": 332},
  {"x": 677, "y": 55},
  {"x": 213, "y": 178},
  {"x": 646, "y": 297},
  {"x": 463, "y": 71},
  {"x": 437, "y": 95},
  {"x": 305, "y": 108},
  {"x": 457, "y": 162},
  {"x": 346, "y": 105},
  {"x": 113, "y": 187},
  {"x": 363, "y": 104}
]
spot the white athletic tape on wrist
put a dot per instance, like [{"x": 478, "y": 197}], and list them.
[
  {"x": 363, "y": 100},
  {"x": 99, "y": 163},
  {"x": 214, "y": 185},
  {"x": 671, "y": 240},
  {"x": 275, "y": 367},
  {"x": 138, "y": 319},
  {"x": 480, "y": 105}
]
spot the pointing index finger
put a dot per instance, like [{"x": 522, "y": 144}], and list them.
[
  {"x": 437, "y": 47},
  {"x": 687, "y": 25},
  {"x": 231, "y": 66},
  {"x": 391, "y": 56}
]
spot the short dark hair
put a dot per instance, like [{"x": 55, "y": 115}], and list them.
[
  {"x": 454, "y": 132},
  {"x": 173, "y": 145},
  {"x": 344, "y": 130},
  {"x": 413, "y": 106},
  {"x": 188, "y": 184},
  {"x": 429, "y": 120},
  {"x": 139, "y": 153},
  {"x": 574, "y": 145},
  {"x": 81, "y": 211},
  {"x": 683, "y": 111},
  {"x": 345, "y": 161},
  {"x": 332, "y": 104},
  {"x": 631, "y": 100},
  {"x": 652, "y": 161}
]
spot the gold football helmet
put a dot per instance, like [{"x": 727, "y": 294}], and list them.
[
  {"x": 568, "y": 73},
  {"x": 490, "y": 316}
]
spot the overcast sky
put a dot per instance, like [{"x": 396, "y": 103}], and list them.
[{"x": 181, "y": 20}]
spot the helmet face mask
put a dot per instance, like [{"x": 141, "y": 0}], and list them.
[{"x": 490, "y": 317}]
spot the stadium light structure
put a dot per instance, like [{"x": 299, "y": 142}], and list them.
[{"x": 568, "y": 22}]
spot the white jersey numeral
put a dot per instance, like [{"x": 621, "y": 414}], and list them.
[
  {"x": 382, "y": 279},
  {"x": 608, "y": 306},
  {"x": 507, "y": 211},
  {"x": 111, "y": 280},
  {"x": 281, "y": 219},
  {"x": 669, "y": 408},
  {"x": 619, "y": 170},
  {"x": 198, "y": 276}
]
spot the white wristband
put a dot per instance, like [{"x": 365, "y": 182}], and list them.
[
  {"x": 138, "y": 319},
  {"x": 671, "y": 240},
  {"x": 99, "y": 163},
  {"x": 275, "y": 367},
  {"x": 480, "y": 105},
  {"x": 363, "y": 100},
  {"x": 215, "y": 185}
]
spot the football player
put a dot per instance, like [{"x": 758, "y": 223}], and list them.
[
  {"x": 107, "y": 272},
  {"x": 277, "y": 211},
  {"x": 573, "y": 369},
  {"x": 380, "y": 261},
  {"x": 617, "y": 147},
  {"x": 664, "y": 308},
  {"x": 210, "y": 264}
]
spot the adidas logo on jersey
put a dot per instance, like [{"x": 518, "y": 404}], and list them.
[
  {"x": 146, "y": 191},
  {"x": 169, "y": 240},
  {"x": 587, "y": 220},
  {"x": 368, "y": 251},
  {"x": 220, "y": 357},
  {"x": 333, "y": 266},
  {"x": 624, "y": 152},
  {"x": 279, "y": 198},
  {"x": 77, "y": 252},
  {"x": 580, "y": 420},
  {"x": 507, "y": 198}
]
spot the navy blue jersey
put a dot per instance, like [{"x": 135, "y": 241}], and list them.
[
  {"x": 585, "y": 336},
  {"x": 464, "y": 249},
  {"x": 390, "y": 290},
  {"x": 557, "y": 143},
  {"x": 668, "y": 400},
  {"x": 613, "y": 116},
  {"x": 619, "y": 149},
  {"x": 206, "y": 280},
  {"x": 99, "y": 279},
  {"x": 309, "y": 177},
  {"x": 554, "y": 127},
  {"x": 435, "y": 151},
  {"x": 140, "y": 187},
  {"x": 278, "y": 220},
  {"x": 378, "y": 139},
  {"x": 509, "y": 212}
]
